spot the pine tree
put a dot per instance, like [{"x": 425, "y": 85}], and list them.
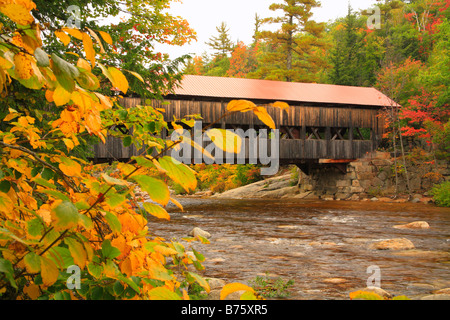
[
  {"x": 222, "y": 44},
  {"x": 345, "y": 56},
  {"x": 291, "y": 52}
]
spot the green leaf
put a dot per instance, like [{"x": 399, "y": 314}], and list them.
[
  {"x": 7, "y": 269},
  {"x": 198, "y": 255},
  {"x": 32, "y": 262},
  {"x": 67, "y": 215},
  {"x": 156, "y": 189},
  {"x": 5, "y": 185},
  {"x": 61, "y": 256},
  {"x": 179, "y": 173},
  {"x": 44, "y": 183},
  {"x": 130, "y": 283},
  {"x": 95, "y": 269},
  {"x": 34, "y": 227},
  {"x": 113, "y": 222},
  {"x": 56, "y": 194},
  {"x": 156, "y": 211},
  {"x": 114, "y": 199},
  {"x": 41, "y": 57},
  {"x": 127, "y": 141},
  {"x": 162, "y": 293},
  {"x": 118, "y": 288},
  {"x": 108, "y": 251}
]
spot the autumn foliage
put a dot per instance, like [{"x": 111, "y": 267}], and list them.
[{"x": 59, "y": 213}]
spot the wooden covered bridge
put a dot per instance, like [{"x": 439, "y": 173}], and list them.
[{"x": 324, "y": 122}]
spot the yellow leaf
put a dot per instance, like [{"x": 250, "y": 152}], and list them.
[
  {"x": 83, "y": 64},
  {"x": 164, "y": 250},
  {"x": 175, "y": 202},
  {"x": 95, "y": 36},
  {"x": 70, "y": 168},
  {"x": 104, "y": 100},
  {"x": 69, "y": 143},
  {"x": 24, "y": 69},
  {"x": 162, "y": 293},
  {"x": 179, "y": 173},
  {"x": 65, "y": 39},
  {"x": 240, "y": 105},
  {"x": 281, "y": 105},
  {"x": 262, "y": 114},
  {"x": 61, "y": 96},
  {"x": 106, "y": 37},
  {"x": 74, "y": 33},
  {"x": 113, "y": 181},
  {"x": 126, "y": 267},
  {"x": 49, "y": 271},
  {"x": 137, "y": 75},
  {"x": 18, "y": 11},
  {"x": 365, "y": 295},
  {"x": 156, "y": 211},
  {"x": 77, "y": 252},
  {"x": 226, "y": 140},
  {"x": 6, "y": 205},
  {"x": 89, "y": 48},
  {"x": 233, "y": 287},
  {"x": 118, "y": 79}
]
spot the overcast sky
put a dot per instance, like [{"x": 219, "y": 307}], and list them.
[{"x": 205, "y": 15}]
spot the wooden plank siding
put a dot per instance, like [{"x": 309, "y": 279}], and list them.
[{"x": 301, "y": 117}]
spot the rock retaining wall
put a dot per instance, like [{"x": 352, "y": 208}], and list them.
[{"x": 372, "y": 177}]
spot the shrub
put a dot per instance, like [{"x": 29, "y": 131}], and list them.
[{"x": 441, "y": 194}]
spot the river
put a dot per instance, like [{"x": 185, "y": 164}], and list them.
[{"x": 322, "y": 245}]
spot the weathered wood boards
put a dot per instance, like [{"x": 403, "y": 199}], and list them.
[{"x": 311, "y": 131}]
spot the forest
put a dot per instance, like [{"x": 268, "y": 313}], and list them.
[
  {"x": 72, "y": 229},
  {"x": 406, "y": 56}
]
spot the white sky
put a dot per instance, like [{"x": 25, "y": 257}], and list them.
[{"x": 205, "y": 15}]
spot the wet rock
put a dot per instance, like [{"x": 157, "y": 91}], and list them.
[
  {"x": 424, "y": 254},
  {"x": 335, "y": 280},
  {"x": 436, "y": 297},
  {"x": 393, "y": 244},
  {"x": 414, "y": 225},
  {"x": 381, "y": 292},
  {"x": 442, "y": 291},
  {"x": 199, "y": 232},
  {"x": 215, "y": 283}
]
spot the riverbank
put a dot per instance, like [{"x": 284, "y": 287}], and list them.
[
  {"x": 280, "y": 187},
  {"x": 372, "y": 178}
]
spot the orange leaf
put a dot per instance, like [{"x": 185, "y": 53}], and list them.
[
  {"x": 89, "y": 48},
  {"x": 106, "y": 37},
  {"x": 262, "y": 115},
  {"x": 49, "y": 271},
  {"x": 240, "y": 105},
  {"x": 65, "y": 39}
]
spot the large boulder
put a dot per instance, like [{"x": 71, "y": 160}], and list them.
[
  {"x": 414, "y": 225},
  {"x": 199, "y": 232},
  {"x": 393, "y": 244}
]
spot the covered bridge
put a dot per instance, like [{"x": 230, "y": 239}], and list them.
[{"x": 331, "y": 122}]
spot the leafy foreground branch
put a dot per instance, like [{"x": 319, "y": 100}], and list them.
[{"x": 67, "y": 229}]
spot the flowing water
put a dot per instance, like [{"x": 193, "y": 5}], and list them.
[{"x": 322, "y": 246}]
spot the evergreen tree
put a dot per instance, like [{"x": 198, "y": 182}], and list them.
[
  {"x": 346, "y": 55},
  {"x": 291, "y": 52},
  {"x": 222, "y": 43}
]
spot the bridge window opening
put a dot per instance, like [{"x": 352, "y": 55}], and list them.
[{"x": 362, "y": 133}]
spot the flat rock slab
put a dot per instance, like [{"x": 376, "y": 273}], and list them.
[
  {"x": 414, "y": 225},
  {"x": 393, "y": 244}
]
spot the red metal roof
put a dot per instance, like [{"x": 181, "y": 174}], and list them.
[{"x": 253, "y": 89}]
